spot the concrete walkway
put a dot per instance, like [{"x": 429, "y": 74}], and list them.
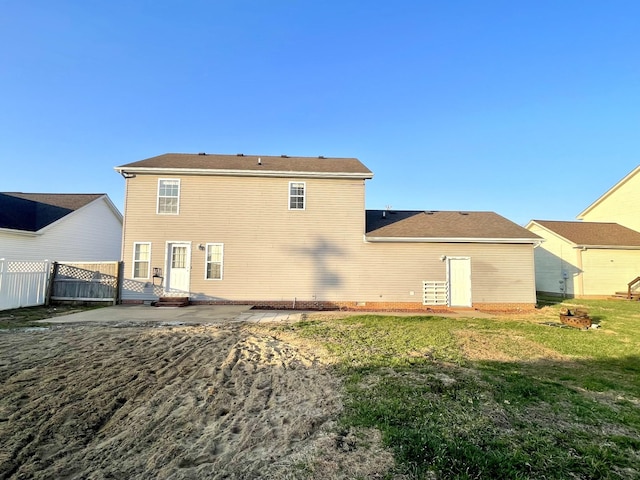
[
  {"x": 193, "y": 314},
  {"x": 198, "y": 314}
]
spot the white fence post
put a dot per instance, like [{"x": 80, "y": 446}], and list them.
[{"x": 2, "y": 294}]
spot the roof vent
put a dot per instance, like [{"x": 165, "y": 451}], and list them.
[
  {"x": 259, "y": 161},
  {"x": 463, "y": 213},
  {"x": 429, "y": 212},
  {"x": 202, "y": 153},
  {"x": 321, "y": 156},
  {"x": 284, "y": 156},
  {"x": 240, "y": 154}
]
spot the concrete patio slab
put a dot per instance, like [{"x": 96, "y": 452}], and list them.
[
  {"x": 193, "y": 314},
  {"x": 198, "y": 314}
]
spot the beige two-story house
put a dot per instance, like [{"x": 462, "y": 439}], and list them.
[{"x": 293, "y": 232}]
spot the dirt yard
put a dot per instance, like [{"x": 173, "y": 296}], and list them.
[{"x": 150, "y": 401}]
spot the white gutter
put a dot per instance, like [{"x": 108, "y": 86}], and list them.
[
  {"x": 243, "y": 173},
  {"x": 449, "y": 240}
]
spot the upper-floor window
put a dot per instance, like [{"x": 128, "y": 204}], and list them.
[
  {"x": 168, "y": 195},
  {"x": 296, "y": 195},
  {"x": 141, "y": 259},
  {"x": 214, "y": 261}
]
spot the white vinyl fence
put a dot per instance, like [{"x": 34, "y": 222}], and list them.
[{"x": 23, "y": 284}]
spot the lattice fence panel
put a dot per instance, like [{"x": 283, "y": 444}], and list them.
[
  {"x": 26, "y": 267},
  {"x": 89, "y": 282}
]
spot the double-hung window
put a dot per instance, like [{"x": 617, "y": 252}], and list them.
[
  {"x": 168, "y": 196},
  {"x": 213, "y": 268},
  {"x": 141, "y": 259},
  {"x": 297, "y": 195}
]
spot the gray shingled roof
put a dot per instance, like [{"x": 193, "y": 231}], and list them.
[
  {"x": 250, "y": 163},
  {"x": 33, "y": 211},
  {"x": 593, "y": 233},
  {"x": 443, "y": 225}
]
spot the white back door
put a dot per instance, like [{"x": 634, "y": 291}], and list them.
[
  {"x": 178, "y": 267},
  {"x": 459, "y": 275}
]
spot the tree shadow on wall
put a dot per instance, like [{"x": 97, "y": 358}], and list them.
[{"x": 322, "y": 254}]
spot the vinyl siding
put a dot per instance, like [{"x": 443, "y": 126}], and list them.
[
  {"x": 500, "y": 273},
  {"x": 590, "y": 272},
  {"x": 269, "y": 250},
  {"x": 554, "y": 258},
  {"x": 92, "y": 233},
  {"x": 609, "y": 271},
  {"x": 316, "y": 254},
  {"x": 621, "y": 206}
]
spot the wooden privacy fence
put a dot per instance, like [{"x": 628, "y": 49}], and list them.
[
  {"x": 86, "y": 282},
  {"x": 23, "y": 284}
]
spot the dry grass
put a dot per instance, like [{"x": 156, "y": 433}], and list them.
[{"x": 503, "y": 347}]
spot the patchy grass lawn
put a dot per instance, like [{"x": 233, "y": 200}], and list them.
[
  {"x": 503, "y": 398},
  {"x": 30, "y": 316}
]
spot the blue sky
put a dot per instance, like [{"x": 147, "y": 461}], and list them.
[{"x": 529, "y": 108}]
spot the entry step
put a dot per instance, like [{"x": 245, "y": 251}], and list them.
[{"x": 171, "y": 302}]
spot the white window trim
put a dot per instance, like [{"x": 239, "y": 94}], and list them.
[
  {"x": 206, "y": 262},
  {"x": 304, "y": 196},
  {"x": 133, "y": 263},
  {"x": 158, "y": 197}
]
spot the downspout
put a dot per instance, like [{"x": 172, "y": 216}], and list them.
[
  {"x": 581, "y": 274},
  {"x": 564, "y": 277},
  {"x": 127, "y": 177},
  {"x": 124, "y": 218}
]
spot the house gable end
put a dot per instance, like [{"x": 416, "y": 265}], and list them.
[
  {"x": 546, "y": 233},
  {"x": 608, "y": 193},
  {"x": 619, "y": 204},
  {"x": 32, "y": 213}
]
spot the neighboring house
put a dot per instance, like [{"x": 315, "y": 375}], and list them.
[
  {"x": 598, "y": 256},
  {"x": 585, "y": 259},
  {"x": 293, "y": 232},
  {"x": 620, "y": 204},
  {"x": 59, "y": 227}
]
